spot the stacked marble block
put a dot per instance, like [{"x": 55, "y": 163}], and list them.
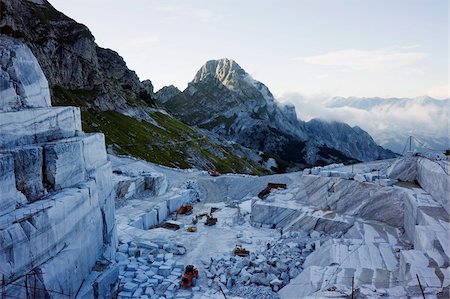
[
  {"x": 56, "y": 192},
  {"x": 426, "y": 222}
]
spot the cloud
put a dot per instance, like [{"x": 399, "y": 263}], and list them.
[
  {"x": 178, "y": 11},
  {"x": 438, "y": 91},
  {"x": 380, "y": 121},
  {"x": 383, "y": 60}
]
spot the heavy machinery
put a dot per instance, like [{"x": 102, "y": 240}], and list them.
[
  {"x": 189, "y": 276},
  {"x": 269, "y": 187},
  {"x": 185, "y": 209},
  {"x": 210, "y": 220},
  {"x": 191, "y": 229},
  {"x": 214, "y": 173},
  {"x": 241, "y": 251}
]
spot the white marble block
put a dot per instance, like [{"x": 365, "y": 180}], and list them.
[
  {"x": 64, "y": 164},
  {"x": 38, "y": 125},
  {"x": 28, "y": 163},
  {"x": 9, "y": 196},
  {"x": 22, "y": 82}
]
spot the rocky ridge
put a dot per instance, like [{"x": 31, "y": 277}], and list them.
[{"x": 226, "y": 100}]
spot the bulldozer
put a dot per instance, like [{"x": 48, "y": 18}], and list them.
[
  {"x": 185, "y": 209},
  {"x": 269, "y": 187},
  {"x": 189, "y": 276},
  {"x": 210, "y": 220},
  {"x": 241, "y": 251}
]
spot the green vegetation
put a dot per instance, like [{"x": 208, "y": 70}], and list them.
[{"x": 168, "y": 141}]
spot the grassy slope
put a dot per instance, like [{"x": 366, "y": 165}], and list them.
[{"x": 172, "y": 143}]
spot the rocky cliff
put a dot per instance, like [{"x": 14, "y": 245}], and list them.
[
  {"x": 352, "y": 141},
  {"x": 69, "y": 56},
  {"x": 57, "y": 228},
  {"x": 225, "y": 99}
]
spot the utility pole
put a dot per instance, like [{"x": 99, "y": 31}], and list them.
[
  {"x": 353, "y": 287},
  {"x": 34, "y": 288},
  {"x": 26, "y": 286},
  {"x": 420, "y": 285},
  {"x": 410, "y": 143},
  {"x": 3, "y": 287}
]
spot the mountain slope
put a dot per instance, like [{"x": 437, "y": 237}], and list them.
[
  {"x": 112, "y": 98},
  {"x": 351, "y": 141},
  {"x": 226, "y": 100}
]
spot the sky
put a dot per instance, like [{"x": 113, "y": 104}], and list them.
[{"x": 386, "y": 48}]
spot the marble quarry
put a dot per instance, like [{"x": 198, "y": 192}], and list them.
[
  {"x": 57, "y": 225},
  {"x": 387, "y": 228}
]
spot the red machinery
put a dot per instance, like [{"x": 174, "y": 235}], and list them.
[
  {"x": 269, "y": 187},
  {"x": 189, "y": 276}
]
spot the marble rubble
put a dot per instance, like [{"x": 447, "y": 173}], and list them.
[{"x": 57, "y": 209}]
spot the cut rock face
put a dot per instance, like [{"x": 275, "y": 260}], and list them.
[
  {"x": 22, "y": 82},
  {"x": 56, "y": 195}
]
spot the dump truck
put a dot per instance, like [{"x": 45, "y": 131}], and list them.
[
  {"x": 241, "y": 251},
  {"x": 189, "y": 276},
  {"x": 269, "y": 187}
]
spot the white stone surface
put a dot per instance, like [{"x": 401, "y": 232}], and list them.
[
  {"x": 435, "y": 181},
  {"x": 22, "y": 82},
  {"x": 9, "y": 196},
  {"x": 64, "y": 164},
  {"x": 38, "y": 125},
  {"x": 28, "y": 166},
  {"x": 63, "y": 234}
]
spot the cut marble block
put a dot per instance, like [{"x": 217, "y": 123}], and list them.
[
  {"x": 411, "y": 261},
  {"x": 28, "y": 163},
  {"x": 163, "y": 211},
  {"x": 48, "y": 228},
  {"x": 22, "y": 82},
  {"x": 38, "y": 125},
  {"x": 150, "y": 219},
  {"x": 156, "y": 183},
  {"x": 64, "y": 164},
  {"x": 94, "y": 151},
  {"x": 435, "y": 181},
  {"x": 174, "y": 203},
  {"x": 9, "y": 196}
]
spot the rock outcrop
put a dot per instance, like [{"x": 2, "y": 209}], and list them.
[
  {"x": 57, "y": 228},
  {"x": 226, "y": 100},
  {"x": 69, "y": 56}
]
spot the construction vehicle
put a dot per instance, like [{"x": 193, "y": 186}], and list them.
[
  {"x": 200, "y": 216},
  {"x": 185, "y": 209},
  {"x": 241, "y": 251},
  {"x": 269, "y": 187},
  {"x": 210, "y": 220},
  {"x": 214, "y": 173},
  {"x": 212, "y": 170},
  {"x": 191, "y": 229},
  {"x": 189, "y": 276}
]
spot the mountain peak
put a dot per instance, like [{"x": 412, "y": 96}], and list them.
[{"x": 225, "y": 70}]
